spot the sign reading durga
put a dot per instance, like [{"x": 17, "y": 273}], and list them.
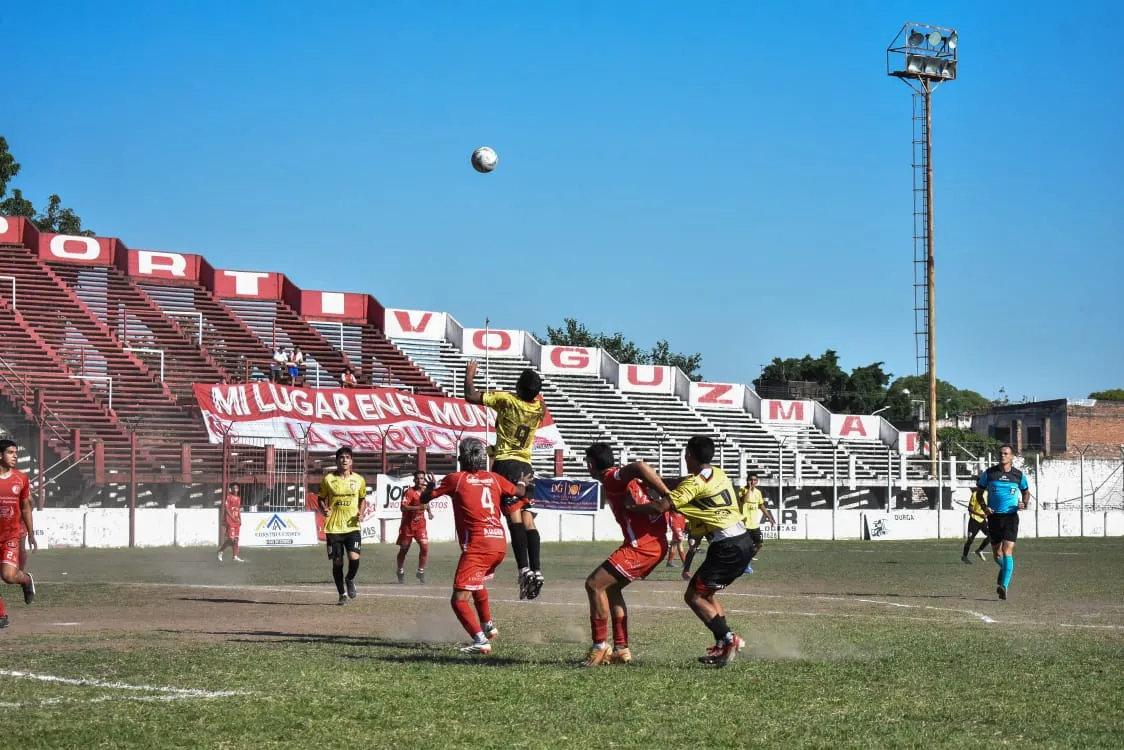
[{"x": 366, "y": 420}]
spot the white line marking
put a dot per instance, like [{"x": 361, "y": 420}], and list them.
[
  {"x": 49, "y": 702},
  {"x": 178, "y": 692},
  {"x": 64, "y": 624},
  {"x": 973, "y": 613}
]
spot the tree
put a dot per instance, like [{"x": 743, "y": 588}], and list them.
[
  {"x": 905, "y": 392},
  {"x": 573, "y": 333},
  {"x": 1115, "y": 394},
  {"x": 55, "y": 218},
  {"x": 860, "y": 392},
  {"x": 965, "y": 443}
]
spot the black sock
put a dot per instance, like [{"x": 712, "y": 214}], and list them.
[
  {"x": 983, "y": 544},
  {"x": 337, "y": 576},
  {"x": 967, "y": 547},
  {"x": 533, "y": 550},
  {"x": 719, "y": 627},
  {"x": 352, "y": 569},
  {"x": 518, "y": 543}
]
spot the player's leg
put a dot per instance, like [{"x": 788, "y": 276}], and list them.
[
  {"x": 692, "y": 548},
  {"x": 725, "y": 562},
  {"x": 1007, "y": 553},
  {"x": 985, "y": 541},
  {"x": 469, "y": 578},
  {"x": 404, "y": 541},
  {"x": 483, "y": 606},
  {"x": 756, "y": 543},
  {"x": 618, "y": 612},
  {"x": 235, "y": 534},
  {"x": 597, "y": 584},
  {"x": 336, "y": 553},
  {"x": 512, "y": 508},
  {"x": 354, "y": 545},
  {"x": 423, "y": 557},
  {"x": 10, "y": 571}
]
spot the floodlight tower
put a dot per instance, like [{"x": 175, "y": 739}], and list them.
[{"x": 924, "y": 57}]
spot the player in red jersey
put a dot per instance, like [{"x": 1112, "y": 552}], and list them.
[
  {"x": 678, "y": 525},
  {"x": 475, "y": 494},
  {"x": 645, "y": 543},
  {"x": 413, "y": 527},
  {"x": 231, "y": 522},
  {"x": 15, "y": 521}
]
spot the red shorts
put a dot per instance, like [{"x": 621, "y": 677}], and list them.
[
  {"x": 678, "y": 527},
  {"x": 233, "y": 532},
  {"x": 478, "y": 563},
  {"x": 636, "y": 562},
  {"x": 406, "y": 534},
  {"x": 10, "y": 551}
]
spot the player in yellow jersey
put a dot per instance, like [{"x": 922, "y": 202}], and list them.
[
  {"x": 518, "y": 416},
  {"x": 977, "y": 522},
  {"x": 753, "y": 507},
  {"x": 342, "y": 498},
  {"x": 706, "y": 497}
]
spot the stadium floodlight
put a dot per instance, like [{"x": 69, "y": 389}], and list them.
[{"x": 923, "y": 57}]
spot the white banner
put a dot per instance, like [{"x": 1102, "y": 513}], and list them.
[
  {"x": 790, "y": 526},
  {"x": 282, "y": 529},
  {"x": 900, "y": 524}
]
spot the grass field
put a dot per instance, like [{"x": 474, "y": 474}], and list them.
[{"x": 849, "y": 645}]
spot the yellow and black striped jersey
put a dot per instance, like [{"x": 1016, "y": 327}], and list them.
[
  {"x": 516, "y": 423},
  {"x": 342, "y": 496},
  {"x": 975, "y": 506},
  {"x": 707, "y": 500}
]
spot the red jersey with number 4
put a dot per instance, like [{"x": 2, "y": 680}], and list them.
[
  {"x": 639, "y": 530},
  {"x": 476, "y": 503},
  {"x": 412, "y": 520},
  {"x": 14, "y": 489},
  {"x": 233, "y": 510}
]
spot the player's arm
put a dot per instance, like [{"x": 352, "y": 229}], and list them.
[
  {"x": 432, "y": 489},
  {"x": 981, "y": 487},
  {"x": 646, "y": 474},
  {"x": 362, "y": 496},
  {"x": 767, "y": 514},
  {"x": 28, "y": 521},
  {"x": 471, "y": 394},
  {"x": 322, "y": 496},
  {"x": 525, "y": 485},
  {"x": 1024, "y": 503}
]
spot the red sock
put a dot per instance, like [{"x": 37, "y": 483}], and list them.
[
  {"x": 464, "y": 613},
  {"x": 599, "y": 626},
  {"x": 3, "y": 612},
  {"x": 402, "y": 556},
  {"x": 423, "y": 558},
  {"x": 620, "y": 631},
  {"x": 483, "y": 607}
]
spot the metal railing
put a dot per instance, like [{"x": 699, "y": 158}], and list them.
[
  {"x": 184, "y": 314},
  {"x": 13, "y": 280},
  {"x": 146, "y": 350},
  {"x": 98, "y": 378}
]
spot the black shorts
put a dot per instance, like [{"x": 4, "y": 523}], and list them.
[
  {"x": 513, "y": 471},
  {"x": 1003, "y": 527},
  {"x": 725, "y": 561},
  {"x": 755, "y": 537},
  {"x": 338, "y": 544},
  {"x": 975, "y": 527}
]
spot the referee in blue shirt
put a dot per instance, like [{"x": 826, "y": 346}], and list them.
[{"x": 1007, "y": 494}]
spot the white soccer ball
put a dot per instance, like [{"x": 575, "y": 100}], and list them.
[{"x": 484, "y": 159}]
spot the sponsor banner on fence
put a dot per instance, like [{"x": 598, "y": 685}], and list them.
[
  {"x": 365, "y": 419},
  {"x": 900, "y": 524},
  {"x": 569, "y": 495},
  {"x": 281, "y": 529},
  {"x": 790, "y": 525}
]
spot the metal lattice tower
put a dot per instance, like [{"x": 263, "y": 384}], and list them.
[{"x": 920, "y": 233}]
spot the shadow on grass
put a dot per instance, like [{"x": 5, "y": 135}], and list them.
[
  {"x": 895, "y": 595},
  {"x": 229, "y": 600},
  {"x": 427, "y": 655}
]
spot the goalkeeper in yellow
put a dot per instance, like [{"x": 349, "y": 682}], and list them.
[
  {"x": 706, "y": 497},
  {"x": 518, "y": 416}
]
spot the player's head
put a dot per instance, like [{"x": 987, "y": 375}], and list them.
[
  {"x": 234, "y": 488},
  {"x": 751, "y": 478},
  {"x": 1006, "y": 453},
  {"x": 419, "y": 480},
  {"x": 345, "y": 459},
  {"x": 528, "y": 385},
  {"x": 699, "y": 451},
  {"x": 598, "y": 457},
  {"x": 9, "y": 452},
  {"x": 472, "y": 455}
]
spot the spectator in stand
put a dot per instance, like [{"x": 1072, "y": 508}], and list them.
[
  {"x": 279, "y": 361},
  {"x": 296, "y": 369},
  {"x": 348, "y": 380}
]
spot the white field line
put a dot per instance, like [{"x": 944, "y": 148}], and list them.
[
  {"x": 173, "y": 692},
  {"x": 50, "y": 702}
]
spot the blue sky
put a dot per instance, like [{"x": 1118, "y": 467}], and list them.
[{"x": 732, "y": 176}]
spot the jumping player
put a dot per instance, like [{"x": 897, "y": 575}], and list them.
[
  {"x": 15, "y": 521},
  {"x": 413, "y": 527},
  {"x": 231, "y": 522},
  {"x": 518, "y": 416},
  {"x": 475, "y": 492},
  {"x": 707, "y": 496},
  {"x": 343, "y": 498},
  {"x": 645, "y": 542},
  {"x": 1007, "y": 494}
]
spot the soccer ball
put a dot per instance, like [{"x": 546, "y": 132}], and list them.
[{"x": 484, "y": 159}]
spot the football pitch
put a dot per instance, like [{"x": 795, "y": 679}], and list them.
[{"x": 886, "y": 644}]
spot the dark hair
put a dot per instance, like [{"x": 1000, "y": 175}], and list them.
[
  {"x": 529, "y": 385},
  {"x": 600, "y": 455},
  {"x": 344, "y": 451},
  {"x": 5, "y": 444},
  {"x": 472, "y": 454},
  {"x": 233, "y": 486},
  {"x": 1007, "y": 445},
  {"x": 752, "y": 475},
  {"x": 419, "y": 473},
  {"x": 701, "y": 448}
]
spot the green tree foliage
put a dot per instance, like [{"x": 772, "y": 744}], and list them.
[
  {"x": 573, "y": 333},
  {"x": 951, "y": 401},
  {"x": 1115, "y": 394},
  {"x": 55, "y": 218},
  {"x": 966, "y": 444}
]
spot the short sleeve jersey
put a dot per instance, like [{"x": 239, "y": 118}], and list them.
[
  {"x": 708, "y": 499},
  {"x": 639, "y": 529},
  {"x": 975, "y": 507},
  {"x": 751, "y": 501},
  {"x": 476, "y": 504},
  {"x": 232, "y": 510},
  {"x": 516, "y": 423},
  {"x": 14, "y": 490},
  {"x": 342, "y": 496},
  {"x": 412, "y": 519},
  {"x": 1004, "y": 488}
]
